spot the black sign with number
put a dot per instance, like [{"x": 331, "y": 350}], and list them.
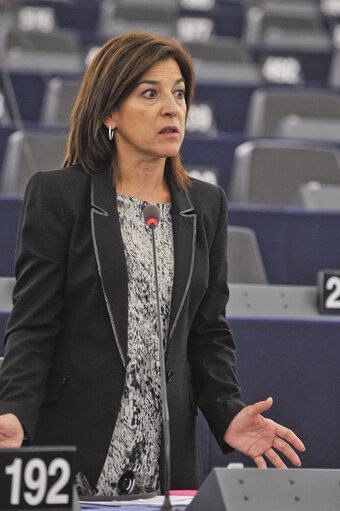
[
  {"x": 329, "y": 291},
  {"x": 36, "y": 477}
]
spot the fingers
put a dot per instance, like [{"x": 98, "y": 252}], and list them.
[
  {"x": 260, "y": 406},
  {"x": 290, "y": 436},
  {"x": 275, "y": 459},
  {"x": 281, "y": 431},
  {"x": 260, "y": 462},
  {"x": 286, "y": 449},
  {"x": 6, "y": 443}
]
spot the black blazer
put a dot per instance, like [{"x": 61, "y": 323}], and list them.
[{"x": 66, "y": 340}]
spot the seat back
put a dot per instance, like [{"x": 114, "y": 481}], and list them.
[
  {"x": 220, "y": 49},
  {"x": 149, "y": 10},
  {"x": 26, "y": 153},
  {"x": 245, "y": 264},
  {"x": 294, "y": 126},
  {"x": 334, "y": 69},
  {"x": 6, "y": 291},
  {"x": 222, "y": 73},
  {"x": 268, "y": 109},
  {"x": 58, "y": 102},
  {"x": 314, "y": 196},
  {"x": 270, "y": 172},
  {"x": 48, "y": 52},
  {"x": 276, "y": 23},
  {"x": 4, "y": 110},
  {"x": 135, "y": 16}
]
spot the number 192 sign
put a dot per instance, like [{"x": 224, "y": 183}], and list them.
[
  {"x": 36, "y": 477},
  {"x": 329, "y": 291}
]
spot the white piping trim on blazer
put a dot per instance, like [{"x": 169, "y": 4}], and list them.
[
  {"x": 100, "y": 211},
  {"x": 193, "y": 254}
]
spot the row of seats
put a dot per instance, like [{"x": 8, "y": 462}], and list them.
[
  {"x": 268, "y": 172},
  {"x": 290, "y": 247},
  {"x": 252, "y": 42},
  {"x": 283, "y": 112},
  {"x": 217, "y": 107},
  {"x": 232, "y": 62},
  {"x": 258, "y": 21},
  {"x": 264, "y": 172},
  {"x": 245, "y": 262}
]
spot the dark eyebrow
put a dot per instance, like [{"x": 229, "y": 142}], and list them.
[{"x": 155, "y": 82}]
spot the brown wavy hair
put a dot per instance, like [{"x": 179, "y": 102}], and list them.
[{"x": 110, "y": 78}]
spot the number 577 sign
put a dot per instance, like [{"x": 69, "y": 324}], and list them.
[{"x": 36, "y": 477}]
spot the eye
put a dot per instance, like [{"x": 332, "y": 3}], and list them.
[
  {"x": 180, "y": 93},
  {"x": 149, "y": 93}
]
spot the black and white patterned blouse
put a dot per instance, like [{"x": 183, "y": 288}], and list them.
[{"x": 136, "y": 438}]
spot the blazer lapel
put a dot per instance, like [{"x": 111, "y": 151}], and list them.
[
  {"x": 110, "y": 256},
  {"x": 184, "y": 234}
]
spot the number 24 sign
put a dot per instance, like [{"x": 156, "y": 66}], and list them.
[{"x": 36, "y": 477}]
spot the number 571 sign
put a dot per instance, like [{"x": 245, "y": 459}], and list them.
[{"x": 36, "y": 477}]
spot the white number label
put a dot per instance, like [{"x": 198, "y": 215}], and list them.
[
  {"x": 205, "y": 175},
  {"x": 330, "y": 7},
  {"x": 35, "y": 479},
  {"x": 194, "y": 29},
  {"x": 198, "y": 5},
  {"x": 91, "y": 54},
  {"x": 36, "y": 18},
  {"x": 200, "y": 118},
  {"x": 282, "y": 70},
  {"x": 333, "y": 300}
]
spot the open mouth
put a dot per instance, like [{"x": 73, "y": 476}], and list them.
[{"x": 169, "y": 129}]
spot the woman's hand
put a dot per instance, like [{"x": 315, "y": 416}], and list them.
[
  {"x": 256, "y": 436},
  {"x": 11, "y": 431}
]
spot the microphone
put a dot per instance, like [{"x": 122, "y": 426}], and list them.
[{"x": 151, "y": 216}]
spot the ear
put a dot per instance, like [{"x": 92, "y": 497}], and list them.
[{"x": 110, "y": 121}]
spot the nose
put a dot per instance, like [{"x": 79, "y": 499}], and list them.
[{"x": 169, "y": 106}]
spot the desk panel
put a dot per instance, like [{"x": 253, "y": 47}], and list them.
[{"x": 297, "y": 363}]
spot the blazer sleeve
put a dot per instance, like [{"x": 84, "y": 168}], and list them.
[
  {"x": 34, "y": 323},
  {"x": 211, "y": 349}
]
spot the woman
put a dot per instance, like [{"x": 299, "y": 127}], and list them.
[{"x": 81, "y": 362}]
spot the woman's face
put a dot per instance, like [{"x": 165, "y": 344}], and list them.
[{"x": 150, "y": 123}]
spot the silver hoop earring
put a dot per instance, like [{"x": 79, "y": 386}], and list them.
[{"x": 111, "y": 133}]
